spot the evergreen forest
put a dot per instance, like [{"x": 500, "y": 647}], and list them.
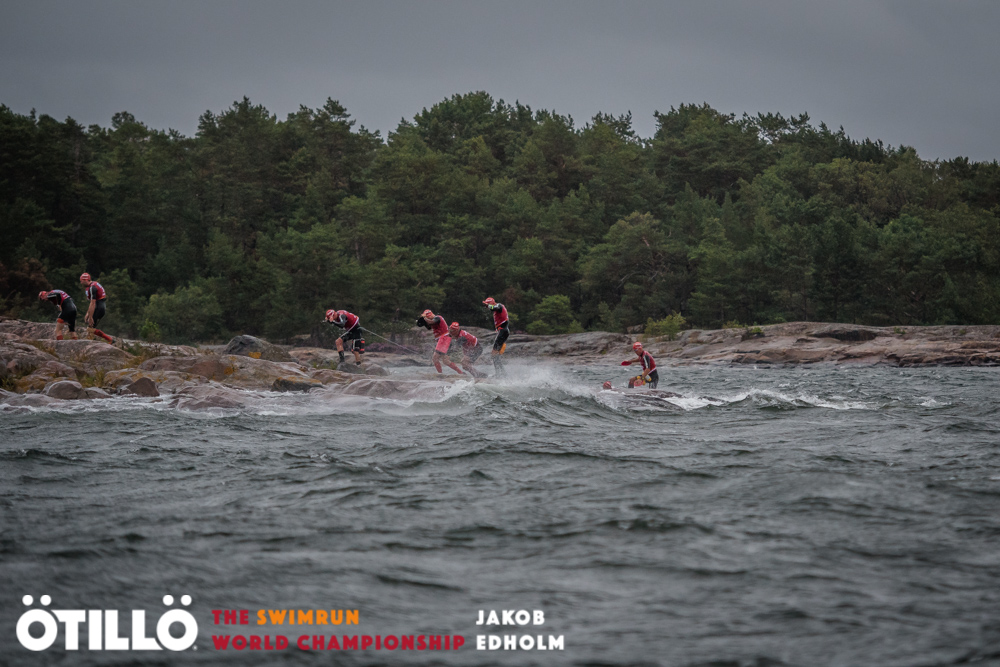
[{"x": 258, "y": 225}]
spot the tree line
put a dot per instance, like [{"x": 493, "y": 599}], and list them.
[{"x": 258, "y": 225}]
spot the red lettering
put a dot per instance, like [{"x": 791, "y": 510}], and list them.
[
  {"x": 366, "y": 642},
  {"x": 351, "y": 642},
  {"x": 254, "y": 643},
  {"x": 457, "y": 642},
  {"x": 447, "y": 642},
  {"x": 281, "y": 642},
  {"x": 216, "y": 614},
  {"x": 229, "y": 617},
  {"x": 435, "y": 642},
  {"x": 421, "y": 643},
  {"x": 391, "y": 642},
  {"x": 244, "y": 617},
  {"x": 378, "y": 642},
  {"x": 304, "y": 639},
  {"x": 408, "y": 642},
  {"x": 239, "y": 642},
  {"x": 221, "y": 642}
]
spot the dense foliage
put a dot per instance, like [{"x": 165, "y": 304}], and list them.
[{"x": 258, "y": 225}]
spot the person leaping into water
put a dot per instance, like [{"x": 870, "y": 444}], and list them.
[
  {"x": 96, "y": 310},
  {"x": 471, "y": 349},
  {"x": 502, "y": 326},
  {"x": 67, "y": 311},
  {"x": 439, "y": 328},
  {"x": 352, "y": 332},
  {"x": 649, "y": 375}
]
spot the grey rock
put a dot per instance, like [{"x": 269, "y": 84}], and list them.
[
  {"x": 65, "y": 389},
  {"x": 95, "y": 392},
  {"x": 257, "y": 348},
  {"x": 295, "y": 384},
  {"x": 142, "y": 387}
]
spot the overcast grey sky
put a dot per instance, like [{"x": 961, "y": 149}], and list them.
[{"x": 915, "y": 72}]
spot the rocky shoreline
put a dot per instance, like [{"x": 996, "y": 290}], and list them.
[{"x": 36, "y": 370}]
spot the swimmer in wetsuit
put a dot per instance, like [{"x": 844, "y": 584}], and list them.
[
  {"x": 471, "y": 349},
  {"x": 502, "y": 325},
  {"x": 97, "y": 309},
  {"x": 439, "y": 328},
  {"x": 351, "y": 324},
  {"x": 649, "y": 374}
]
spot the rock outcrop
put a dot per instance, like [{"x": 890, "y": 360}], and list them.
[
  {"x": 142, "y": 387},
  {"x": 256, "y": 348}
]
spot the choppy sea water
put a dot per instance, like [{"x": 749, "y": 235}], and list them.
[{"x": 804, "y": 516}]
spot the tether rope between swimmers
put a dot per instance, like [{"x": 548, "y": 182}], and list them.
[{"x": 408, "y": 349}]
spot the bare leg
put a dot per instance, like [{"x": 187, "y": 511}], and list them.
[{"x": 340, "y": 348}]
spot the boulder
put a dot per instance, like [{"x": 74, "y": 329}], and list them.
[
  {"x": 166, "y": 381},
  {"x": 95, "y": 393},
  {"x": 29, "y": 330},
  {"x": 66, "y": 390},
  {"x": 295, "y": 384},
  {"x": 374, "y": 369},
  {"x": 142, "y": 387},
  {"x": 350, "y": 367},
  {"x": 29, "y": 400},
  {"x": 396, "y": 389},
  {"x": 314, "y": 356},
  {"x": 326, "y": 376},
  {"x": 207, "y": 397},
  {"x": 256, "y": 348},
  {"x": 90, "y": 356},
  {"x": 43, "y": 375},
  {"x": 21, "y": 358},
  {"x": 847, "y": 332}
]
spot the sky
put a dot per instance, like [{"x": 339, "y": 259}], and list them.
[{"x": 916, "y": 72}]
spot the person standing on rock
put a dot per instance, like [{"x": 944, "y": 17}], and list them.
[
  {"x": 351, "y": 323},
  {"x": 649, "y": 374},
  {"x": 502, "y": 325},
  {"x": 439, "y": 328},
  {"x": 471, "y": 349},
  {"x": 67, "y": 311},
  {"x": 96, "y": 310}
]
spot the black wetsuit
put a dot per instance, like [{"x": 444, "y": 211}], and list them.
[
  {"x": 67, "y": 312},
  {"x": 96, "y": 293}
]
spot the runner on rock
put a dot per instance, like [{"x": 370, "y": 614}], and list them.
[
  {"x": 502, "y": 326},
  {"x": 67, "y": 311},
  {"x": 471, "y": 349},
  {"x": 96, "y": 310},
  {"x": 439, "y": 328},
  {"x": 351, "y": 324},
  {"x": 649, "y": 374}
]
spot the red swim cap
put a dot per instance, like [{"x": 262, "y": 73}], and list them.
[
  {"x": 606, "y": 385},
  {"x": 637, "y": 345},
  {"x": 43, "y": 295},
  {"x": 84, "y": 276},
  {"x": 427, "y": 314},
  {"x": 489, "y": 301}
]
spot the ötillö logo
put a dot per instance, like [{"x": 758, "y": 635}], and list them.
[{"x": 101, "y": 627}]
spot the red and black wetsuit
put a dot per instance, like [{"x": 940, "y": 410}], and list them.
[
  {"x": 67, "y": 309},
  {"x": 500, "y": 323},
  {"x": 350, "y": 322},
  {"x": 95, "y": 292},
  {"x": 470, "y": 345},
  {"x": 649, "y": 368},
  {"x": 440, "y": 330}
]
